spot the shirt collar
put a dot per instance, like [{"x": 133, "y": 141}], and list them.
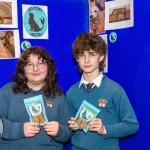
[{"x": 97, "y": 81}]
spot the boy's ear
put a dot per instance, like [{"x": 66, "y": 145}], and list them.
[
  {"x": 77, "y": 59},
  {"x": 101, "y": 58}
]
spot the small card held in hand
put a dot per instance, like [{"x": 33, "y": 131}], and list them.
[
  {"x": 36, "y": 110},
  {"x": 85, "y": 113}
]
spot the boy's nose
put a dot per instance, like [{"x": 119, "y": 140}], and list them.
[{"x": 86, "y": 59}]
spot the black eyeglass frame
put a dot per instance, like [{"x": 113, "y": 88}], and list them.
[{"x": 37, "y": 65}]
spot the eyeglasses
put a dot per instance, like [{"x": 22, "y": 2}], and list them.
[{"x": 39, "y": 65}]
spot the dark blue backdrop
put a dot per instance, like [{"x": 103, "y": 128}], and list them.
[{"x": 128, "y": 57}]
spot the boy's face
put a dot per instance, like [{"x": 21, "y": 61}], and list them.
[{"x": 89, "y": 62}]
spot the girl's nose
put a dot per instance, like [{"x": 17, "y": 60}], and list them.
[{"x": 35, "y": 67}]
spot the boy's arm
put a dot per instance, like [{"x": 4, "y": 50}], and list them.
[{"x": 128, "y": 122}]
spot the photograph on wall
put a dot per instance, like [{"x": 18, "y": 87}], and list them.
[
  {"x": 96, "y": 16},
  {"x": 8, "y": 18},
  {"x": 104, "y": 36},
  {"x": 35, "y": 22},
  {"x": 9, "y": 47},
  {"x": 119, "y": 14}
]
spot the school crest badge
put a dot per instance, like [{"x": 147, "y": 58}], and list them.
[{"x": 102, "y": 102}]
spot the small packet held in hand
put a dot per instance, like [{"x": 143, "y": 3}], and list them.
[
  {"x": 36, "y": 110},
  {"x": 85, "y": 113}
]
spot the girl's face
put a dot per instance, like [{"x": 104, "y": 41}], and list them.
[{"x": 36, "y": 71}]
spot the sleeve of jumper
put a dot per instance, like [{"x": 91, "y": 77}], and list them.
[
  {"x": 128, "y": 124},
  {"x": 11, "y": 130},
  {"x": 64, "y": 132},
  {"x": 71, "y": 107}
]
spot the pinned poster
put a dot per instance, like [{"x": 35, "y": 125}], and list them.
[
  {"x": 35, "y": 22},
  {"x": 119, "y": 14},
  {"x": 8, "y": 18},
  {"x": 96, "y": 16},
  {"x": 104, "y": 37},
  {"x": 9, "y": 47}
]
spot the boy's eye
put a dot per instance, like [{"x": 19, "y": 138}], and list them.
[
  {"x": 92, "y": 54},
  {"x": 81, "y": 55}
]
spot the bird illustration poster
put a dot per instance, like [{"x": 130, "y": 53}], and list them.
[
  {"x": 97, "y": 16},
  {"x": 35, "y": 22},
  {"x": 36, "y": 110},
  {"x": 119, "y": 14},
  {"x": 85, "y": 113},
  {"x": 8, "y": 18},
  {"x": 9, "y": 47}
]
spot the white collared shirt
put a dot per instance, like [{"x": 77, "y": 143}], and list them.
[{"x": 97, "y": 81}]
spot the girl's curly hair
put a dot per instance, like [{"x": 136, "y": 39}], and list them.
[{"x": 51, "y": 89}]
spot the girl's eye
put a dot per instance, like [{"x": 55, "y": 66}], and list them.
[
  {"x": 29, "y": 64},
  {"x": 40, "y": 62}
]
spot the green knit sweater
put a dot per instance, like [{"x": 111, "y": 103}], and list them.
[
  {"x": 116, "y": 114},
  {"x": 14, "y": 115}
]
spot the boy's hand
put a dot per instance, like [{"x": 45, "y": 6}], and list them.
[
  {"x": 72, "y": 124},
  {"x": 97, "y": 125}
]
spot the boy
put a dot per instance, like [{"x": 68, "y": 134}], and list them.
[{"x": 116, "y": 118}]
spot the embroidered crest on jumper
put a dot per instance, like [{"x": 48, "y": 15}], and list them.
[
  {"x": 102, "y": 103},
  {"x": 49, "y": 104}
]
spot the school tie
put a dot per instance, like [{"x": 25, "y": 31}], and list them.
[{"x": 89, "y": 86}]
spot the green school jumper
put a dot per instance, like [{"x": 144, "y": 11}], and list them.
[{"x": 116, "y": 114}]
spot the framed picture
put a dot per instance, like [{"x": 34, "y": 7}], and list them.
[{"x": 8, "y": 18}]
